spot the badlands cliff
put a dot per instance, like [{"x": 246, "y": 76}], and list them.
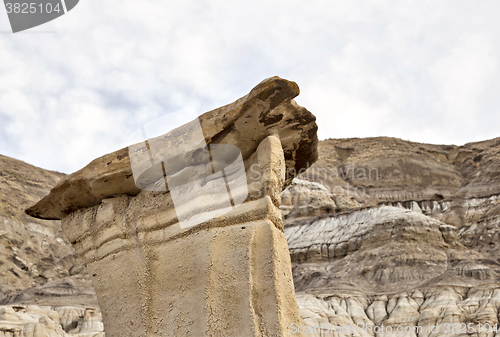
[
  {"x": 45, "y": 291},
  {"x": 387, "y": 232}
]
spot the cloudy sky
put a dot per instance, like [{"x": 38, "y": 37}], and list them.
[{"x": 77, "y": 87}]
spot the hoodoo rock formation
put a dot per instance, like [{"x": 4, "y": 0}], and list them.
[
  {"x": 381, "y": 232},
  {"x": 182, "y": 233}
]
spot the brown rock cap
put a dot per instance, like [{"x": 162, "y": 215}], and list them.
[{"x": 269, "y": 109}]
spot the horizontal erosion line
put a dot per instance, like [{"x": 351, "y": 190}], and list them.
[
  {"x": 238, "y": 219},
  {"x": 169, "y": 220},
  {"x": 153, "y": 243},
  {"x": 448, "y": 199}
]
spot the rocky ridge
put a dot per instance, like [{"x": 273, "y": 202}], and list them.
[
  {"x": 402, "y": 234},
  {"x": 33, "y": 251},
  {"x": 44, "y": 290},
  {"x": 459, "y": 185}
]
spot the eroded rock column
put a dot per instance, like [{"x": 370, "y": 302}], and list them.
[{"x": 182, "y": 235}]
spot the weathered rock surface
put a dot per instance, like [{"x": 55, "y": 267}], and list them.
[
  {"x": 46, "y": 321},
  {"x": 269, "y": 109},
  {"x": 306, "y": 198},
  {"x": 430, "y": 258},
  {"x": 383, "y": 249},
  {"x": 76, "y": 290},
  {"x": 32, "y": 251},
  {"x": 393, "y": 267},
  {"x": 459, "y": 185},
  {"x": 136, "y": 214},
  {"x": 44, "y": 290}
]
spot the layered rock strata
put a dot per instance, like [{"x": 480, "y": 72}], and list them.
[
  {"x": 43, "y": 321},
  {"x": 182, "y": 234},
  {"x": 395, "y": 268},
  {"x": 32, "y": 251},
  {"x": 459, "y": 185},
  {"x": 430, "y": 259}
]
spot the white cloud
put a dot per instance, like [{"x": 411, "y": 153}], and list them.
[
  {"x": 419, "y": 70},
  {"x": 461, "y": 77}
]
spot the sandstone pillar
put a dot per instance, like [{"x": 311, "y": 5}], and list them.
[{"x": 189, "y": 241}]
